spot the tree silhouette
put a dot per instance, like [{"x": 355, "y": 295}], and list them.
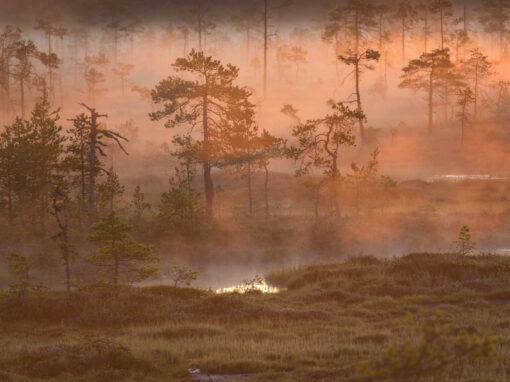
[
  {"x": 270, "y": 147},
  {"x": 92, "y": 76},
  {"x": 121, "y": 257},
  {"x": 503, "y": 96},
  {"x": 294, "y": 54},
  {"x": 465, "y": 245},
  {"x": 356, "y": 20},
  {"x": 465, "y": 97},
  {"x": 423, "y": 7},
  {"x": 203, "y": 102},
  {"x": 477, "y": 69},
  {"x": 108, "y": 190},
  {"x": 122, "y": 71},
  {"x": 360, "y": 61},
  {"x": 246, "y": 22},
  {"x": 139, "y": 203},
  {"x": 443, "y": 8},
  {"x": 495, "y": 16},
  {"x": 118, "y": 19},
  {"x": 26, "y": 53},
  {"x": 406, "y": 15},
  {"x": 424, "y": 74},
  {"x": 51, "y": 28},
  {"x": 267, "y": 12},
  {"x": 96, "y": 134},
  {"x": 320, "y": 141},
  {"x": 8, "y": 42},
  {"x": 60, "y": 210},
  {"x": 363, "y": 176}
]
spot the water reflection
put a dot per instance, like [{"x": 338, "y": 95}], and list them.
[{"x": 254, "y": 285}]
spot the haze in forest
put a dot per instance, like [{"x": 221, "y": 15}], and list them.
[{"x": 432, "y": 101}]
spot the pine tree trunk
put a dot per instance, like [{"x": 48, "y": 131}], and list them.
[
  {"x": 66, "y": 261},
  {"x": 426, "y": 30},
  {"x": 116, "y": 270},
  {"x": 250, "y": 196},
  {"x": 358, "y": 102},
  {"x": 265, "y": 47},
  {"x": 266, "y": 189},
  {"x": 430, "y": 99},
  {"x": 208, "y": 183},
  {"x": 9, "y": 195},
  {"x": 50, "y": 73},
  {"x": 199, "y": 25},
  {"x": 22, "y": 96},
  {"x": 462, "y": 124},
  {"x": 475, "y": 103},
  {"x": 442, "y": 33},
  {"x": 92, "y": 164},
  {"x": 403, "y": 39}
]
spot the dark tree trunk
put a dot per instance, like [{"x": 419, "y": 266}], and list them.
[
  {"x": 358, "y": 103},
  {"x": 475, "y": 103},
  {"x": 199, "y": 25},
  {"x": 266, "y": 189},
  {"x": 22, "y": 96},
  {"x": 430, "y": 100},
  {"x": 265, "y": 46},
  {"x": 250, "y": 196},
  {"x": 208, "y": 183}
]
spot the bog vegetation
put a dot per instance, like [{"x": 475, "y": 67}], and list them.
[{"x": 142, "y": 155}]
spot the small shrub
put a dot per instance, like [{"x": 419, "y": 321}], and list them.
[{"x": 183, "y": 275}]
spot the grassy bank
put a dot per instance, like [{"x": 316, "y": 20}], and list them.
[{"x": 362, "y": 319}]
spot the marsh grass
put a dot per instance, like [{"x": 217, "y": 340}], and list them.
[{"x": 332, "y": 319}]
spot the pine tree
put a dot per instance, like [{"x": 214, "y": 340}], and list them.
[
  {"x": 425, "y": 73},
  {"x": 122, "y": 71},
  {"x": 109, "y": 190},
  {"x": 139, "y": 203},
  {"x": 319, "y": 144},
  {"x": 360, "y": 61},
  {"x": 16, "y": 183},
  {"x": 181, "y": 206},
  {"x": 8, "y": 42},
  {"x": 465, "y": 245},
  {"x": 121, "y": 257},
  {"x": 96, "y": 134},
  {"x": 465, "y": 97},
  {"x": 477, "y": 69},
  {"x": 31, "y": 154},
  {"x": 49, "y": 148},
  {"x": 201, "y": 102},
  {"x": 26, "y": 54},
  {"x": 247, "y": 149},
  {"x": 495, "y": 18},
  {"x": 270, "y": 147},
  {"x": 60, "y": 210},
  {"x": 406, "y": 16},
  {"x": 267, "y": 11},
  {"x": 51, "y": 28},
  {"x": 363, "y": 176},
  {"x": 240, "y": 144},
  {"x": 293, "y": 54},
  {"x": 93, "y": 76},
  {"x": 443, "y": 8},
  {"x": 356, "y": 21}
]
